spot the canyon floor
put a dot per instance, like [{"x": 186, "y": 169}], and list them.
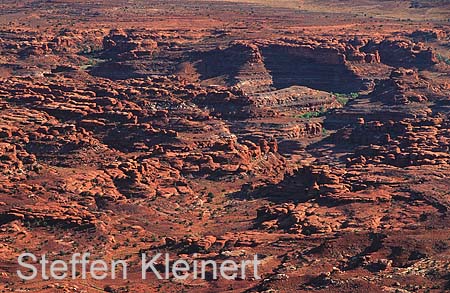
[{"x": 315, "y": 134}]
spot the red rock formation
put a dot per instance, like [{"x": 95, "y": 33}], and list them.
[{"x": 223, "y": 131}]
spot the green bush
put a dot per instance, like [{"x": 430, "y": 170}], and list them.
[
  {"x": 444, "y": 59},
  {"x": 312, "y": 114},
  {"x": 344, "y": 98}
]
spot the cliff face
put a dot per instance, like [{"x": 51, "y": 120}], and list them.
[
  {"x": 319, "y": 63},
  {"x": 257, "y": 66},
  {"x": 239, "y": 64},
  {"x": 317, "y": 68},
  {"x": 402, "y": 52}
]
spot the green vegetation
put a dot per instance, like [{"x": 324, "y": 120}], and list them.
[
  {"x": 444, "y": 59},
  {"x": 344, "y": 98},
  {"x": 312, "y": 114},
  {"x": 91, "y": 62},
  {"x": 90, "y": 49}
]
